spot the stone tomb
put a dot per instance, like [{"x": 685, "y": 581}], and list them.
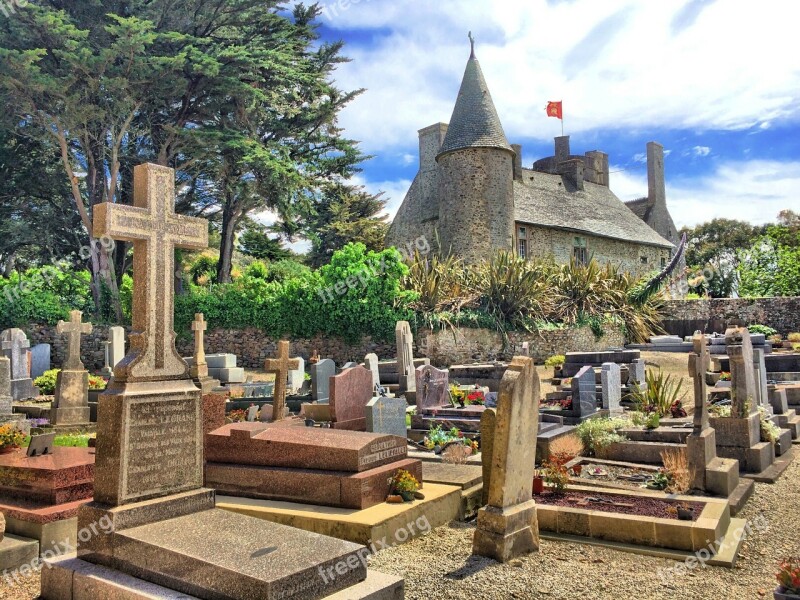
[
  {"x": 583, "y": 395},
  {"x": 71, "y": 404},
  {"x": 149, "y": 462},
  {"x": 434, "y": 406},
  {"x": 326, "y": 467},
  {"x": 14, "y": 345}
]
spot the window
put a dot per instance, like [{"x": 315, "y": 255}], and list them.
[
  {"x": 522, "y": 242},
  {"x": 643, "y": 259},
  {"x": 579, "y": 251},
  {"x": 523, "y": 248},
  {"x": 663, "y": 262}
]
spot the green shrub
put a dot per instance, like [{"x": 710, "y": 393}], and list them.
[
  {"x": 597, "y": 434},
  {"x": 793, "y": 337},
  {"x": 46, "y": 382},
  {"x": 555, "y": 361},
  {"x": 767, "y": 331},
  {"x": 659, "y": 394},
  {"x": 43, "y": 295}
]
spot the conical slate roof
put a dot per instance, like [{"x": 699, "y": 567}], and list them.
[{"x": 474, "y": 123}]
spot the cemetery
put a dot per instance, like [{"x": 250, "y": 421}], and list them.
[{"x": 231, "y": 369}]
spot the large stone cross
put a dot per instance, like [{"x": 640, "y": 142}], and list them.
[
  {"x": 281, "y": 367},
  {"x": 155, "y": 231},
  {"x": 74, "y": 328},
  {"x": 699, "y": 362}
]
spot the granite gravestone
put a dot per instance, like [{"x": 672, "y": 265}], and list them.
[
  {"x": 611, "y": 382},
  {"x": 71, "y": 404},
  {"x": 507, "y": 525},
  {"x": 40, "y": 360},
  {"x": 14, "y": 344},
  {"x": 637, "y": 371},
  {"x": 433, "y": 388},
  {"x": 488, "y": 424},
  {"x": 584, "y": 392},
  {"x": 351, "y": 390},
  {"x": 405, "y": 356},
  {"x": 149, "y": 462},
  {"x": 371, "y": 363},
  {"x": 321, "y": 373},
  {"x": 387, "y": 415},
  {"x": 280, "y": 367}
]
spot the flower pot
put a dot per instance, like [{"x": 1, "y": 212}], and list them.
[
  {"x": 781, "y": 594},
  {"x": 685, "y": 514},
  {"x": 577, "y": 470},
  {"x": 407, "y": 496},
  {"x": 538, "y": 486}
]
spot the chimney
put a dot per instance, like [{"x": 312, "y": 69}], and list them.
[
  {"x": 562, "y": 149},
  {"x": 572, "y": 171},
  {"x": 656, "y": 190},
  {"x": 517, "y": 148},
  {"x": 597, "y": 167},
  {"x": 430, "y": 141}
]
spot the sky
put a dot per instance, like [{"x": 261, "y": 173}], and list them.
[{"x": 717, "y": 82}]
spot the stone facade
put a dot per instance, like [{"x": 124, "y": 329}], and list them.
[
  {"x": 252, "y": 347},
  {"x": 684, "y": 317}
]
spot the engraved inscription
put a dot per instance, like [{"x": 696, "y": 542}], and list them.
[
  {"x": 379, "y": 456},
  {"x": 163, "y": 445}
]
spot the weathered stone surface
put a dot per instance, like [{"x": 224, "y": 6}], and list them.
[
  {"x": 507, "y": 525},
  {"x": 371, "y": 362},
  {"x": 433, "y": 386},
  {"x": 74, "y": 329},
  {"x": 280, "y": 367},
  {"x": 351, "y": 390},
  {"x": 64, "y": 476},
  {"x": 488, "y": 424},
  {"x": 405, "y": 356},
  {"x": 71, "y": 404},
  {"x": 40, "y": 360},
  {"x": 760, "y": 377},
  {"x": 387, "y": 415},
  {"x": 14, "y": 345},
  {"x": 743, "y": 384},
  {"x": 5, "y": 387},
  {"x": 637, "y": 371},
  {"x": 584, "y": 392},
  {"x": 321, "y": 373},
  {"x": 699, "y": 362},
  {"x": 116, "y": 335},
  {"x": 297, "y": 376},
  {"x": 199, "y": 365},
  {"x": 611, "y": 382}
]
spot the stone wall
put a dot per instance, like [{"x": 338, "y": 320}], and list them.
[
  {"x": 252, "y": 347},
  {"x": 684, "y": 317}
]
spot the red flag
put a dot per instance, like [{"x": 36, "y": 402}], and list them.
[{"x": 554, "y": 109}]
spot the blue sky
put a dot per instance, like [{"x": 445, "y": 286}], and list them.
[{"x": 716, "y": 82}]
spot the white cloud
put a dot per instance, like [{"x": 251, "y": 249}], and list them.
[
  {"x": 637, "y": 66},
  {"x": 701, "y": 150}
]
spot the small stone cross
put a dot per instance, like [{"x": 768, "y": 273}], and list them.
[
  {"x": 699, "y": 362},
  {"x": 199, "y": 326},
  {"x": 281, "y": 367},
  {"x": 74, "y": 328}
]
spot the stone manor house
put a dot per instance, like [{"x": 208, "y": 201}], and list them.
[{"x": 473, "y": 196}]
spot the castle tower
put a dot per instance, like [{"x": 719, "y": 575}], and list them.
[{"x": 476, "y": 174}]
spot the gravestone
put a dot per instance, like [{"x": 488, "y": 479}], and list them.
[
  {"x": 6, "y": 402},
  {"x": 405, "y": 357},
  {"x": 199, "y": 368},
  {"x": 611, "y": 383},
  {"x": 371, "y": 363},
  {"x": 637, "y": 371},
  {"x": 14, "y": 344},
  {"x": 116, "y": 335},
  {"x": 252, "y": 414},
  {"x": 488, "y": 424},
  {"x": 71, "y": 404},
  {"x": 433, "y": 388},
  {"x": 584, "y": 392},
  {"x": 321, "y": 373},
  {"x": 507, "y": 525},
  {"x": 149, "y": 457},
  {"x": 743, "y": 384},
  {"x": 387, "y": 415},
  {"x": 280, "y": 366},
  {"x": 297, "y": 376},
  {"x": 351, "y": 391},
  {"x": 40, "y": 360},
  {"x": 107, "y": 370},
  {"x": 760, "y": 376}
]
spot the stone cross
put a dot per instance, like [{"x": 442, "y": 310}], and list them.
[
  {"x": 199, "y": 327},
  {"x": 155, "y": 231},
  {"x": 405, "y": 356},
  {"x": 107, "y": 370},
  {"x": 281, "y": 367},
  {"x": 14, "y": 345},
  {"x": 699, "y": 362},
  {"x": 743, "y": 383},
  {"x": 75, "y": 329}
]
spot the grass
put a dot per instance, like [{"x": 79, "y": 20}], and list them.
[{"x": 69, "y": 441}]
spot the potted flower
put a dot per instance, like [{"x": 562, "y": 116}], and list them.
[
  {"x": 11, "y": 438},
  {"x": 538, "y": 483},
  {"x": 788, "y": 577},
  {"x": 404, "y": 484}
]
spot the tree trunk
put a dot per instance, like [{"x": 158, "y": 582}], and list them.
[
  {"x": 104, "y": 284},
  {"x": 8, "y": 265},
  {"x": 229, "y": 221}
]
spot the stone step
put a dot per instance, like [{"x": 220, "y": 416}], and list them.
[
  {"x": 752, "y": 460},
  {"x": 783, "y": 443},
  {"x": 722, "y": 476},
  {"x": 17, "y": 551},
  {"x": 791, "y": 421}
]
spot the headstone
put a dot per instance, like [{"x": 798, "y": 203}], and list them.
[
  {"x": 71, "y": 404},
  {"x": 488, "y": 424},
  {"x": 116, "y": 335},
  {"x": 637, "y": 371},
  {"x": 280, "y": 366},
  {"x": 199, "y": 365},
  {"x": 40, "y": 360},
  {"x": 6, "y": 402},
  {"x": 297, "y": 376},
  {"x": 321, "y": 373},
  {"x": 41, "y": 444},
  {"x": 433, "y": 387},
  {"x": 14, "y": 344},
  {"x": 351, "y": 391},
  {"x": 149, "y": 455},
  {"x": 584, "y": 392},
  {"x": 507, "y": 525},
  {"x": 405, "y": 356},
  {"x": 743, "y": 384},
  {"x": 252, "y": 414},
  {"x": 349, "y": 365},
  {"x": 107, "y": 370},
  {"x": 611, "y": 383},
  {"x": 760, "y": 376},
  {"x": 387, "y": 415},
  {"x": 371, "y": 363},
  {"x": 701, "y": 443}
]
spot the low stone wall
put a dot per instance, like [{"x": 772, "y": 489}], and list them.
[{"x": 684, "y": 317}]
